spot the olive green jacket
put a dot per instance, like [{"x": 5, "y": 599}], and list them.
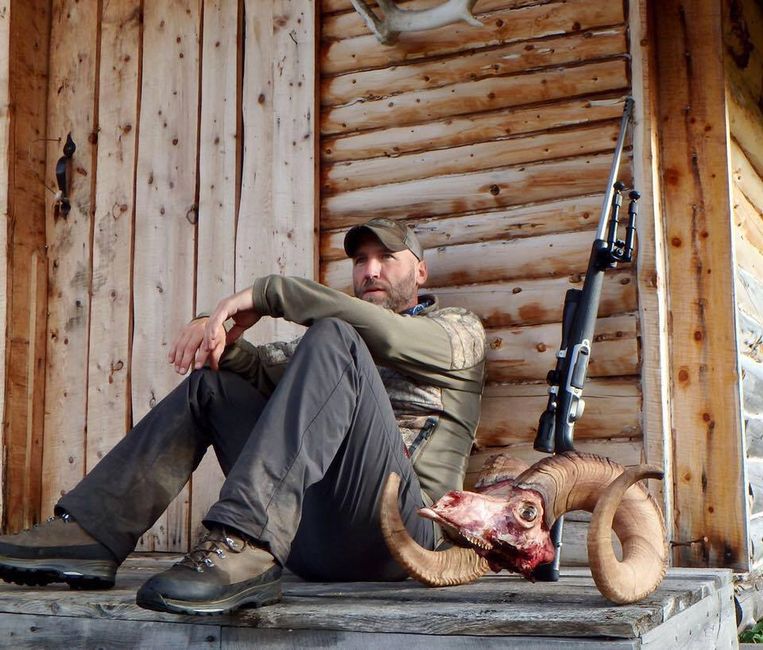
[{"x": 432, "y": 365}]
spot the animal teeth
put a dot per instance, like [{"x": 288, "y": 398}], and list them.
[{"x": 476, "y": 541}]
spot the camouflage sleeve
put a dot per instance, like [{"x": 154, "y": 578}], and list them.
[{"x": 261, "y": 365}]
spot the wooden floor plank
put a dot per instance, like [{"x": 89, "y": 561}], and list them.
[{"x": 495, "y": 605}]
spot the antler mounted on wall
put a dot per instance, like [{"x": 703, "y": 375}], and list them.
[{"x": 398, "y": 20}]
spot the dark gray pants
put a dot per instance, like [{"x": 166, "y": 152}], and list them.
[{"x": 304, "y": 469}]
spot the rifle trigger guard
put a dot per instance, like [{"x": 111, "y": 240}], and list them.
[{"x": 63, "y": 178}]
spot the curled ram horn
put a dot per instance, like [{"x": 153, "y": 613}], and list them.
[{"x": 511, "y": 531}]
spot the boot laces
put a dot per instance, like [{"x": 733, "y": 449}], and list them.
[
  {"x": 213, "y": 543},
  {"x": 67, "y": 518}
]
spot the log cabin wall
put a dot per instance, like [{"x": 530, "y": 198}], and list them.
[
  {"x": 193, "y": 174},
  {"x": 743, "y": 40},
  {"x": 495, "y": 144}
]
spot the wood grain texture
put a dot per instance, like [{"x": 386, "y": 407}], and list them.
[
  {"x": 542, "y": 256},
  {"x": 254, "y": 252},
  {"x": 528, "y": 353},
  {"x": 499, "y": 27},
  {"x": 751, "y": 292},
  {"x": 752, "y": 387},
  {"x": 276, "y": 227},
  {"x": 568, "y": 49},
  {"x": 743, "y": 63},
  {"x": 465, "y": 129},
  {"x": 345, "y": 6},
  {"x": 650, "y": 263},
  {"x": 556, "y": 216},
  {"x": 219, "y": 183},
  {"x": 510, "y": 412},
  {"x": 26, "y": 299},
  {"x": 346, "y": 176},
  {"x": 109, "y": 402},
  {"x": 496, "y": 605},
  {"x": 165, "y": 224},
  {"x": 488, "y": 94},
  {"x": 349, "y": 22},
  {"x": 533, "y": 301},
  {"x": 471, "y": 192},
  {"x": 745, "y": 176},
  {"x": 746, "y": 129},
  {"x": 710, "y": 493},
  {"x": 747, "y": 219},
  {"x": 627, "y": 451},
  {"x": 753, "y": 429},
  {"x": 293, "y": 224},
  {"x": 750, "y": 336},
  {"x": 755, "y": 480},
  {"x": 71, "y": 109}
]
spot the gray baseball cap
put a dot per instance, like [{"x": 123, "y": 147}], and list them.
[{"x": 392, "y": 234}]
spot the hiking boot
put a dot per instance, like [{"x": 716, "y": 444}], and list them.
[
  {"x": 224, "y": 572},
  {"x": 58, "y": 550}
]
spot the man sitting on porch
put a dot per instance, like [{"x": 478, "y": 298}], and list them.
[{"x": 305, "y": 432}]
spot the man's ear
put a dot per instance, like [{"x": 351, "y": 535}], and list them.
[{"x": 422, "y": 273}]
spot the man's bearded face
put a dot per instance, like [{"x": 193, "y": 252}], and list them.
[{"x": 385, "y": 278}]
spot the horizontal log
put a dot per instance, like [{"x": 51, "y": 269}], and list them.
[
  {"x": 750, "y": 294},
  {"x": 748, "y": 256},
  {"x": 568, "y": 49},
  {"x": 499, "y": 27},
  {"x": 750, "y": 336},
  {"x": 577, "y": 213},
  {"x": 475, "y": 96},
  {"x": 345, "y": 6},
  {"x": 544, "y": 256},
  {"x": 625, "y": 451},
  {"x": 746, "y": 129},
  {"x": 753, "y": 431},
  {"x": 564, "y": 143},
  {"x": 552, "y": 217},
  {"x": 528, "y": 353},
  {"x": 477, "y": 191},
  {"x": 752, "y": 387},
  {"x": 510, "y": 412},
  {"x": 575, "y": 543},
  {"x": 349, "y": 22},
  {"x": 756, "y": 541},
  {"x": 531, "y": 302},
  {"x": 748, "y": 218},
  {"x": 755, "y": 481},
  {"x": 746, "y": 177},
  {"x": 466, "y": 129}
]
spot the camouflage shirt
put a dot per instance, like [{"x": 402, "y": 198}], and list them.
[{"x": 432, "y": 365}]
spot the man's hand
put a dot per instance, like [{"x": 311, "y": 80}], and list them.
[
  {"x": 186, "y": 349},
  {"x": 239, "y": 307}
]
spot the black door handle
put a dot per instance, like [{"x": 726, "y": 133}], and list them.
[{"x": 63, "y": 177}]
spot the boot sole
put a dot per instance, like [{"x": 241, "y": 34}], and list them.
[
  {"x": 257, "y": 596},
  {"x": 78, "y": 574}
]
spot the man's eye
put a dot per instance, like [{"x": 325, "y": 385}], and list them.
[{"x": 389, "y": 256}]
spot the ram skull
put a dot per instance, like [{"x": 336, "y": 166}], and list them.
[{"x": 509, "y": 529}]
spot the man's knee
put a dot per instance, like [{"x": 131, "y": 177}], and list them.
[{"x": 332, "y": 327}]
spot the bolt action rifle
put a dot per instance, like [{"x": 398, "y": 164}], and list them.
[{"x": 565, "y": 402}]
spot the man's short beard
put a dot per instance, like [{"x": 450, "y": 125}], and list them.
[{"x": 397, "y": 297}]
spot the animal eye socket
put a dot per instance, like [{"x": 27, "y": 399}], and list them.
[{"x": 528, "y": 512}]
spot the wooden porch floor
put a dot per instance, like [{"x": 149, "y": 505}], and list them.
[{"x": 692, "y": 609}]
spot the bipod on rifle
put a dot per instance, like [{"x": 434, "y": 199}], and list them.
[{"x": 565, "y": 402}]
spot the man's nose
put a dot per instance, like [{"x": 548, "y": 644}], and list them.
[{"x": 373, "y": 269}]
